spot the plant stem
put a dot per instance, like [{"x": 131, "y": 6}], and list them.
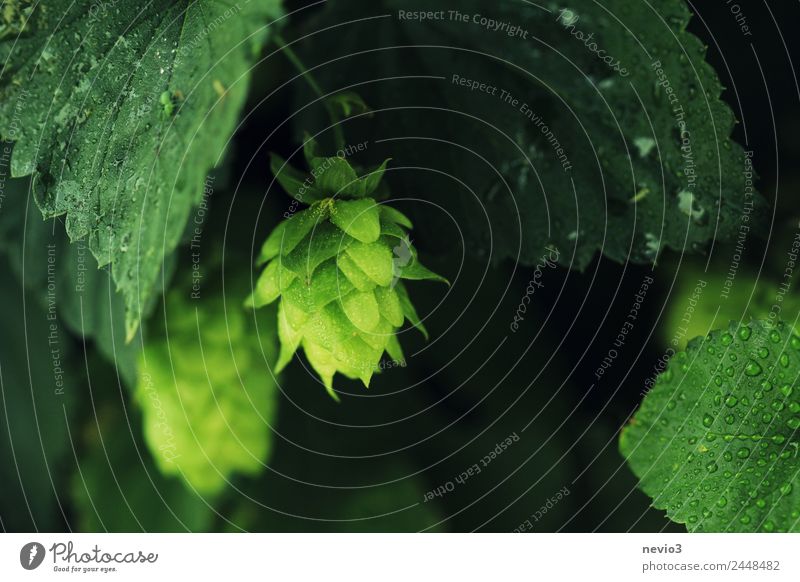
[{"x": 312, "y": 82}]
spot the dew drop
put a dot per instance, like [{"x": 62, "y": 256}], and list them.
[{"x": 753, "y": 369}]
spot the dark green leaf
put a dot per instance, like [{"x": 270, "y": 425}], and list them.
[
  {"x": 561, "y": 147},
  {"x": 715, "y": 441},
  {"x": 119, "y": 115}
]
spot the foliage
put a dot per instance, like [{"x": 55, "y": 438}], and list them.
[
  {"x": 526, "y": 145},
  {"x": 39, "y": 402},
  {"x": 119, "y": 113},
  {"x": 119, "y": 488},
  {"x": 132, "y": 402},
  {"x": 715, "y": 441},
  {"x": 698, "y": 306}
]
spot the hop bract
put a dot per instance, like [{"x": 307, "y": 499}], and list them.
[{"x": 337, "y": 268}]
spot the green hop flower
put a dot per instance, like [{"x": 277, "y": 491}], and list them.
[
  {"x": 207, "y": 396},
  {"x": 338, "y": 269}
]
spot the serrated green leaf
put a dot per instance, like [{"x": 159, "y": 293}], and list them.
[
  {"x": 358, "y": 218},
  {"x": 87, "y": 303},
  {"x": 715, "y": 441},
  {"x": 544, "y": 113},
  {"x": 120, "y": 114},
  {"x": 374, "y": 259}
]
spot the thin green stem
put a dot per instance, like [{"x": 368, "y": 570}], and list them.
[{"x": 312, "y": 82}]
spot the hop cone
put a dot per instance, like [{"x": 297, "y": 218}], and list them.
[
  {"x": 206, "y": 393},
  {"x": 337, "y": 269}
]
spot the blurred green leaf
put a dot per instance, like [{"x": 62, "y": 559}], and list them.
[{"x": 40, "y": 392}]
